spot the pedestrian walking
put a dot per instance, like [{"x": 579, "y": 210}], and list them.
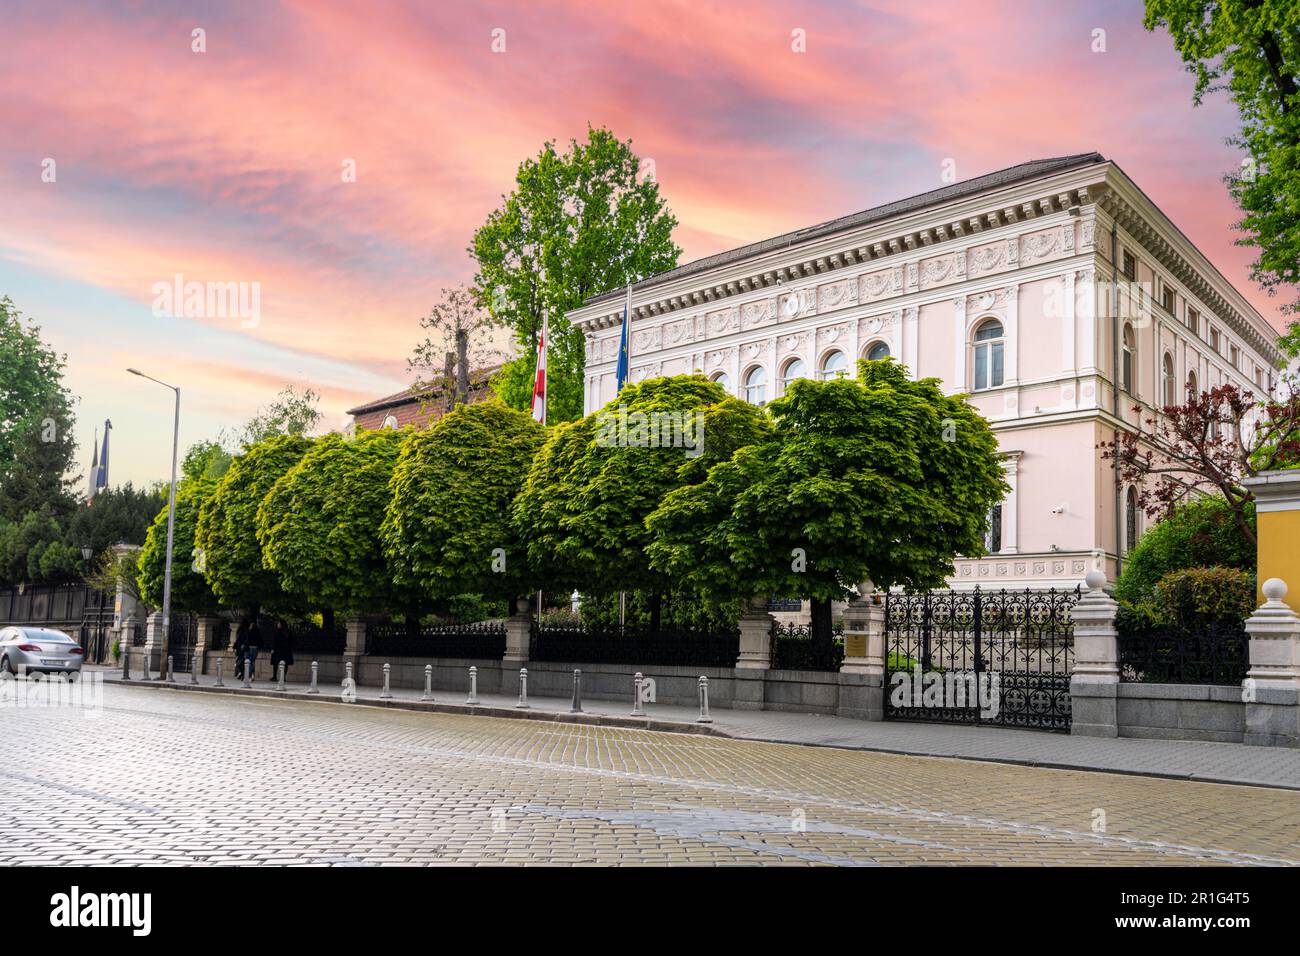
[
  {"x": 281, "y": 647},
  {"x": 252, "y": 644}
]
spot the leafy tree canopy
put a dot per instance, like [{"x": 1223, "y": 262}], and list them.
[
  {"x": 582, "y": 512},
  {"x": 577, "y": 224},
  {"x": 1199, "y": 533},
  {"x": 878, "y": 478},
  {"x": 226, "y": 532},
  {"x": 319, "y": 525},
  {"x": 448, "y": 529}
]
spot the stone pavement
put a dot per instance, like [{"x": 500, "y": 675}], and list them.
[
  {"x": 161, "y": 777},
  {"x": 1189, "y": 760}
]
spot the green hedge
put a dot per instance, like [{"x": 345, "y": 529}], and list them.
[
  {"x": 1199, "y": 534},
  {"x": 1205, "y": 595}
]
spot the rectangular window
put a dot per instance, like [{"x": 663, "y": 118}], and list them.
[
  {"x": 1214, "y": 339},
  {"x": 1129, "y": 266},
  {"x": 993, "y": 536},
  {"x": 1234, "y": 356},
  {"x": 981, "y": 368},
  {"x": 1167, "y": 299},
  {"x": 1194, "y": 320}
]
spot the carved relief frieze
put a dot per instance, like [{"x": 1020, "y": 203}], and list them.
[
  {"x": 876, "y": 285},
  {"x": 985, "y": 259},
  {"x": 837, "y": 295},
  {"x": 723, "y": 321},
  {"x": 755, "y": 313},
  {"x": 1040, "y": 245}
]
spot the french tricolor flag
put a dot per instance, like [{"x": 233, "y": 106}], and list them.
[{"x": 539, "y": 383}]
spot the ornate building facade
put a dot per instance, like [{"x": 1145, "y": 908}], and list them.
[{"x": 1054, "y": 293}]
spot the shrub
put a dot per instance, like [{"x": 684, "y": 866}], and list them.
[
  {"x": 1199, "y": 534},
  {"x": 1214, "y": 595}
]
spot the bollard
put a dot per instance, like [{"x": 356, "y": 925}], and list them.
[
  {"x": 171, "y": 670},
  {"x": 221, "y": 666},
  {"x": 428, "y": 682},
  {"x": 473, "y": 686},
  {"x": 388, "y": 672},
  {"x": 704, "y": 701},
  {"x": 348, "y": 685},
  {"x": 126, "y": 662},
  {"x": 194, "y": 670},
  {"x": 637, "y": 709},
  {"x": 523, "y": 689},
  {"x": 315, "y": 670},
  {"x": 279, "y": 684},
  {"x": 248, "y": 670},
  {"x": 577, "y": 692},
  {"x": 144, "y": 656}
]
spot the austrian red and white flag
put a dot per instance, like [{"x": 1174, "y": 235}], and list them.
[{"x": 539, "y": 384}]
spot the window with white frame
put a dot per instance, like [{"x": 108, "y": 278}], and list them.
[
  {"x": 989, "y": 345},
  {"x": 1168, "y": 386},
  {"x": 1131, "y": 519},
  {"x": 723, "y": 379},
  {"x": 793, "y": 369},
  {"x": 756, "y": 385},
  {"x": 877, "y": 351},
  {"x": 993, "y": 534},
  {"x": 834, "y": 365},
  {"x": 1128, "y": 359},
  {"x": 1193, "y": 386}
]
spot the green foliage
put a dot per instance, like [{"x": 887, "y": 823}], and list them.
[
  {"x": 576, "y": 225},
  {"x": 290, "y": 413},
  {"x": 1200, "y": 533},
  {"x": 226, "y": 531},
  {"x": 583, "y": 510},
  {"x": 450, "y": 507},
  {"x": 116, "y": 516},
  {"x": 190, "y": 589},
  {"x": 878, "y": 478},
  {"x": 1212, "y": 595},
  {"x": 319, "y": 524},
  {"x": 679, "y": 609},
  {"x": 1251, "y": 48}
]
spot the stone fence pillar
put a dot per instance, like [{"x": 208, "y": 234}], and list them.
[
  {"x": 153, "y": 642},
  {"x": 205, "y": 633},
  {"x": 1277, "y": 520},
  {"x": 519, "y": 634},
  {"x": 862, "y": 675},
  {"x": 1094, "y": 682},
  {"x": 355, "y": 646},
  {"x": 755, "y": 655},
  {"x": 1271, "y": 690}
]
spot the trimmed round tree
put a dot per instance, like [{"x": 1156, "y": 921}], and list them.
[
  {"x": 447, "y": 530},
  {"x": 582, "y": 512},
  {"x": 319, "y": 525},
  {"x": 227, "y": 526},
  {"x": 878, "y": 478}
]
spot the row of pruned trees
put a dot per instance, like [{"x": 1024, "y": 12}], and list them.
[{"x": 673, "y": 486}]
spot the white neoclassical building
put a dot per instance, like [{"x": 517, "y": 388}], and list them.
[{"x": 1055, "y": 293}]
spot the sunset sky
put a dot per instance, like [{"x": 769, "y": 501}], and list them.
[{"x": 226, "y": 165}]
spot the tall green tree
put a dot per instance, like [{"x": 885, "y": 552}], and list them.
[
  {"x": 319, "y": 524},
  {"x": 583, "y": 510},
  {"x": 226, "y": 532},
  {"x": 879, "y": 478},
  {"x": 1251, "y": 48},
  {"x": 576, "y": 224},
  {"x": 291, "y": 412},
  {"x": 448, "y": 529}
]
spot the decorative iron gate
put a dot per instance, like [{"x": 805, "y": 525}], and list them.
[
  {"x": 980, "y": 657},
  {"x": 180, "y": 642}
]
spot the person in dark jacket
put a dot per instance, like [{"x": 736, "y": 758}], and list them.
[
  {"x": 241, "y": 640},
  {"x": 252, "y": 644},
  {"x": 281, "y": 648}
]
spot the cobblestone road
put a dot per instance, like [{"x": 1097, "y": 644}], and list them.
[{"x": 167, "y": 777}]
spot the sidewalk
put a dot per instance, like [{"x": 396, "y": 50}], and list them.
[{"x": 1189, "y": 760}]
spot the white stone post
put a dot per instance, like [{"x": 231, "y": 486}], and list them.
[
  {"x": 204, "y": 632},
  {"x": 862, "y": 675},
  {"x": 519, "y": 631},
  {"x": 1094, "y": 682},
  {"x": 755, "y": 655},
  {"x": 1271, "y": 690},
  {"x": 153, "y": 640}
]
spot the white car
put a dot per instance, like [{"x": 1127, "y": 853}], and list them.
[{"x": 26, "y": 650}]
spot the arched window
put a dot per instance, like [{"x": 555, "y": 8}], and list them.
[
  {"x": 756, "y": 385},
  {"x": 722, "y": 379},
  {"x": 834, "y": 365},
  {"x": 390, "y": 421},
  {"x": 878, "y": 351},
  {"x": 989, "y": 345},
  {"x": 1167, "y": 380},
  {"x": 792, "y": 370},
  {"x": 1193, "y": 389},
  {"x": 1131, "y": 518},
  {"x": 1128, "y": 352}
]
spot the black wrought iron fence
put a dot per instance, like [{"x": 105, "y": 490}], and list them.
[
  {"x": 1203, "y": 653},
  {"x": 479, "y": 641},
  {"x": 794, "y": 649},
  {"x": 634, "y": 645},
  {"x": 311, "y": 639}
]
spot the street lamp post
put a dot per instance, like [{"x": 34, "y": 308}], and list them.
[{"x": 171, "y": 523}]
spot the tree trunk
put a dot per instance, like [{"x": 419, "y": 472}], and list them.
[
  {"x": 656, "y": 610},
  {"x": 462, "y": 366},
  {"x": 823, "y": 641},
  {"x": 327, "y": 620},
  {"x": 449, "y": 382}
]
